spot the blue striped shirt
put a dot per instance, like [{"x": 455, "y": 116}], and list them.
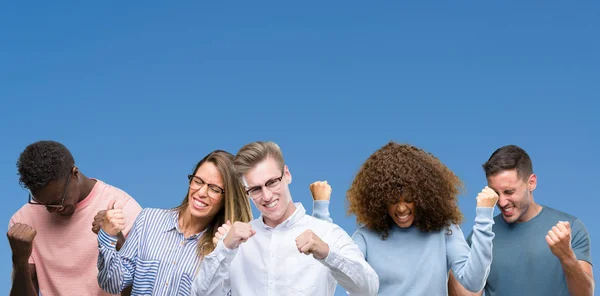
[{"x": 156, "y": 258}]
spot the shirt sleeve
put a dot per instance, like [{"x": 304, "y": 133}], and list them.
[
  {"x": 213, "y": 277},
  {"x": 116, "y": 270},
  {"x": 321, "y": 210},
  {"x": 580, "y": 241},
  {"x": 471, "y": 266},
  {"x": 348, "y": 265}
]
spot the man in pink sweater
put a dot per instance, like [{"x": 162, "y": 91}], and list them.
[{"x": 53, "y": 250}]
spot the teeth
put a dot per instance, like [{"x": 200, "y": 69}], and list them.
[
  {"x": 272, "y": 204},
  {"x": 402, "y": 217},
  {"x": 200, "y": 203}
]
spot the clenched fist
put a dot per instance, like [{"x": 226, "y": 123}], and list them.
[
  {"x": 20, "y": 236},
  {"x": 221, "y": 232},
  {"x": 240, "y": 232},
  {"x": 559, "y": 240},
  {"x": 320, "y": 190},
  {"x": 487, "y": 198},
  {"x": 310, "y": 243},
  {"x": 114, "y": 220}
]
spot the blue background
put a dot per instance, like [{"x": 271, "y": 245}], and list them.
[{"x": 139, "y": 92}]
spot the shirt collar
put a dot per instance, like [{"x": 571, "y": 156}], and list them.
[
  {"x": 289, "y": 222},
  {"x": 172, "y": 223}
]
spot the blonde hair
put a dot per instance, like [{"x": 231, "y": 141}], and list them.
[
  {"x": 251, "y": 154},
  {"x": 236, "y": 206}
]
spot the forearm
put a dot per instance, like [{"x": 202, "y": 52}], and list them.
[
  {"x": 213, "y": 276},
  {"x": 356, "y": 277},
  {"x": 472, "y": 272},
  {"x": 22, "y": 284},
  {"x": 578, "y": 281},
  {"x": 113, "y": 274}
]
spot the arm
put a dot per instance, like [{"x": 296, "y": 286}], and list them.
[
  {"x": 471, "y": 266},
  {"x": 580, "y": 279},
  {"x": 321, "y": 194},
  {"x": 20, "y": 237},
  {"x": 571, "y": 245},
  {"x": 24, "y": 280},
  {"x": 116, "y": 270},
  {"x": 213, "y": 277},
  {"x": 348, "y": 265}
]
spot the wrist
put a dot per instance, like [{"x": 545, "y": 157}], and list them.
[
  {"x": 568, "y": 258},
  {"x": 19, "y": 262}
]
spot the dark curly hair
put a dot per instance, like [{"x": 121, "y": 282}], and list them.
[
  {"x": 42, "y": 162},
  {"x": 397, "y": 170}
]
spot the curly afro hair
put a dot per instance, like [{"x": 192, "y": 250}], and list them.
[
  {"x": 42, "y": 162},
  {"x": 401, "y": 170}
]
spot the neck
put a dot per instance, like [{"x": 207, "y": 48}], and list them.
[
  {"x": 533, "y": 210},
  {"x": 291, "y": 208},
  {"x": 190, "y": 225},
  {"x": 86, "y": 185}
]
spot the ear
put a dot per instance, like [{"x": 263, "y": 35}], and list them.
[
  {"x": 532, "y": 182},
  {"x": 287, "y": 174},
  {"x": 75, "y": 172}
]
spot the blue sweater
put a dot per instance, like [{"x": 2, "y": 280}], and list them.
[{"x": 413, "y": 262}]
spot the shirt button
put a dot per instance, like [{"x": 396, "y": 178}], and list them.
[
  {"x": 174, "y": 262},
  {"x": 167, "y": 283},
  {"x": 183, "y": 243},
  {"x": 272, "y": 255}
]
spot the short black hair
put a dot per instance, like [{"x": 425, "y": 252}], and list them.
[
  {"x": 42, "y": 162},
  {"x": 509, "y": 157}
]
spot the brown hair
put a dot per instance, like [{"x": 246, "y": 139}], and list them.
[
  {"x": 236, "y": 206},
  {"x": 401, "y": 170},
  {"x": 255, "y": 152},
  {"x": 508, "y": 158}
]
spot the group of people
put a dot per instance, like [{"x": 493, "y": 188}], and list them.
[{"x": 408, "y": 242}]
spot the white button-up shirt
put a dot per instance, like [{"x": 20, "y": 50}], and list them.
[{"x": 269, "y": 263}]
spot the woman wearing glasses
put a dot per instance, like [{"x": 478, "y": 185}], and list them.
[
  {"x": 163, "y": 250},
  {"x": 406, "y": 200}
]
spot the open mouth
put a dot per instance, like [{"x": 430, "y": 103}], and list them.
[{"x": 403, "y": 217}]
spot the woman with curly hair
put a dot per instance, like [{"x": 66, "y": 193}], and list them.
[{"x": 407, "y": 203}]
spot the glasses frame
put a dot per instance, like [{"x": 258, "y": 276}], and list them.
[
  {"x": 60, "y": 204},
  {"x": 193, "y": 177},
  {"x": 265, "y": 186}
]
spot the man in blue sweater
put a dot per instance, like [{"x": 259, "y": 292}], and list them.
[{"x": 537, "y": 250}]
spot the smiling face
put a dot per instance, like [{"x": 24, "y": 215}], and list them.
[
  {"x": 267, "y": 185},
  {"x": 205, "y": 197},
  {"x": 402, "y": 212}
]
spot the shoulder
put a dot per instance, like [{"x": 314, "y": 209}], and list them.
[
  {"x": 156, "y": 212},
  {"x": 26, "y": 214},
  {"x": 551, "y": 213},
  {"x": 114, "y": 192}
]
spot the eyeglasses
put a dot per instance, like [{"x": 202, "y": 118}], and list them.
[
  {"x": 213, "y": 191},
  {"x": 256, "y": 192},
  {"x": 58, "y": 205}
]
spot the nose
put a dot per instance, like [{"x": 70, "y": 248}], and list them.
[
  {"x": 203, "y": 191},
  {"x": 502, "y": 200},
  {"x": 401, "y": 207},
  {"x": 267, "y": 194}
]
